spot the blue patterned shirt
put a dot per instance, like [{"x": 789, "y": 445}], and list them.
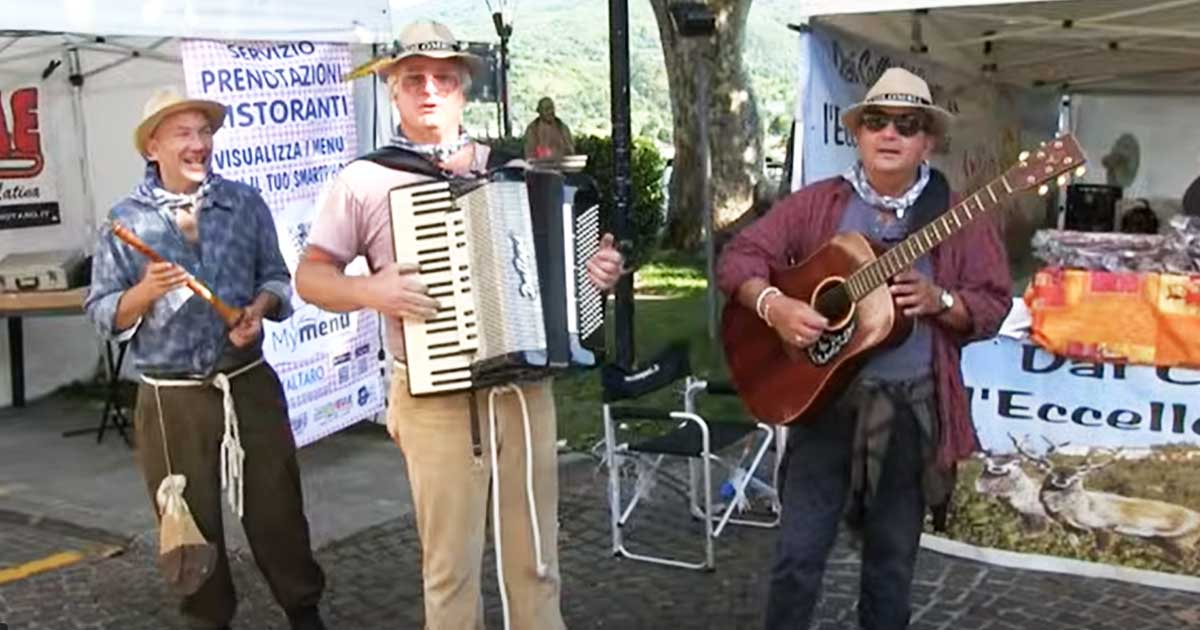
[{"x": 237, "y": 257}]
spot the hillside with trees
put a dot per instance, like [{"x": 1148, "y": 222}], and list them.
[{"x": 560, "y": 49}]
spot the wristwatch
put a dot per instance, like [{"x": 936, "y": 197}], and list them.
[{"x": 947, "y": 300}]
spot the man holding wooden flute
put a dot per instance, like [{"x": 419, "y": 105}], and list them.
[{"x": 211, "y": 416}]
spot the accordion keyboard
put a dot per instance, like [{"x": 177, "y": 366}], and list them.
[
  {"x": 589, "y": 306},
  {"x": 433, "y": 236}
]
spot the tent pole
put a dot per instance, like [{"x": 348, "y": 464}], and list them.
[
  {"x": 1065, "y": 125},
  {"x": 76, "y": 79}
]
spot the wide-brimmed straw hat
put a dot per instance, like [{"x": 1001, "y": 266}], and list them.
[
  {"x": 167, "y": 101},
  {"x": 420, "y": 39},
  {"x": 900, "y": 88}
]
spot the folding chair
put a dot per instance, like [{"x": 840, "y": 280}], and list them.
[{"x": 691, "y": 436}]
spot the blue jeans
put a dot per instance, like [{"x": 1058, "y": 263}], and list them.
[{"x": 815, "y": 485}]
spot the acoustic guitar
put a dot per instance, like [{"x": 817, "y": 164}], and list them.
[{"x": 846, "y": 280}]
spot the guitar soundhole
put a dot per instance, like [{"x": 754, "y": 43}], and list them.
[{"x": 834, "y": 303}]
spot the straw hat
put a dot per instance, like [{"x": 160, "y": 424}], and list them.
[
  {"x": 900, "y": 88},
  {"x": 420, "y": 39},
  {"x": 167, "y": 101}
]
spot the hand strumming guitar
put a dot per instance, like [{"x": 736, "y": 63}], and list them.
[{"x": 794, "y": 320}]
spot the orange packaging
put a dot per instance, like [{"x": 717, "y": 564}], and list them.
[{"x": 1145, "y": 318}]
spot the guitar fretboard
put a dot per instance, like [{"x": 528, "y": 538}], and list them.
[{"x": 919, "y": 243}]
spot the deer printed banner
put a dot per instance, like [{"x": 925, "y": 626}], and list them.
[
  {"x": 290, "y": 128},
  {"x": 1082, "y": 461}
]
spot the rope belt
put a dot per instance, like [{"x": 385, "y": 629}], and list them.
[
  {"x": 232, "y": 454},
  {"x": 532, "y": 502}
]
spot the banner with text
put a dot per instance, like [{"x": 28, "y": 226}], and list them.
[
  {"x": 991, "y": 124},
  {"x": 28, "y": 191},
  {"x": 1082, "y": 461},
  {"x": 288, "y": 130}
]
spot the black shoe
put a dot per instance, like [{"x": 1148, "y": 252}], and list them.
[{"x": 305, "y": 619}]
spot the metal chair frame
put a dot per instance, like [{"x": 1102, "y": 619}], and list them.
[{"x": 699, "y": 485}]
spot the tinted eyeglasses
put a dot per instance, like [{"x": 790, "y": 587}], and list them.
[
  {"x": 907, "y": 124},
  {"x": 443, "y": 82}
]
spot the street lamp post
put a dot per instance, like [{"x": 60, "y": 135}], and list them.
[{"x": 504, "y": 31}]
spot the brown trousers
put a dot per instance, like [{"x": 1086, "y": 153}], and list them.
[
  {"x": 274, "y": 520},
  {"x": 451, "y": 490}
]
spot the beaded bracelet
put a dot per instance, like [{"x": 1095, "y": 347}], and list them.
[{"x": 761, "y": 300}]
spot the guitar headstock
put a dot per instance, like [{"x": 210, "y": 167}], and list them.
[{"x": 1052, "y": 161}]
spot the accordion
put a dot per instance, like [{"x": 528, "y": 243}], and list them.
[{"x": 506, "y": 261}]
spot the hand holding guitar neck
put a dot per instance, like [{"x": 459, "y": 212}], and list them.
[{"x": 229, "y": 314}]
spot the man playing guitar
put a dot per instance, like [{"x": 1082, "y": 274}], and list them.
[{"x": 887, "y": 446}]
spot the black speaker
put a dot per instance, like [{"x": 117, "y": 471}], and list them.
[{"x": 1091, "y": 207}]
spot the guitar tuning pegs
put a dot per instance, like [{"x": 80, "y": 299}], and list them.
[
  {"x": 1023, "y": 156},
  {"x": 1080, "y": 171},
  {"x": 1062, "y": 180},
  {"x": 1043, "y": 190}
]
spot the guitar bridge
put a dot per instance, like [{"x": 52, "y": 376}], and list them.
[{"x": 830, "y": 344}]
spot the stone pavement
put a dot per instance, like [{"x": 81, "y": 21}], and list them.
[
  {"x": 357, "y": 475},
  {"x": 374, "y": 582}
]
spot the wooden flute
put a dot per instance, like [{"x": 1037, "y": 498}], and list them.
[{"x": 230, "y": 314}]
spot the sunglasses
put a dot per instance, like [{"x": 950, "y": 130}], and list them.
[
  {"x": 443, "y": 82},
  {"x": 907, "y": 124}
]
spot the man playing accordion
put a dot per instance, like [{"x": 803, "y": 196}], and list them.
[{"x": 428, "y": 77}]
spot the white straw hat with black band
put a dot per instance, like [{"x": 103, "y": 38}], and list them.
[{"x": 898, "y": 87}]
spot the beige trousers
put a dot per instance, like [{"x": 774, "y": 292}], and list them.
[{"x": 451, "y": 489}]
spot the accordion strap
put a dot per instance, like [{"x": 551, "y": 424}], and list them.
[{"x": 400, "y": 159}]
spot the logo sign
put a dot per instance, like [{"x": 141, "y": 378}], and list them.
[{"x": 28, "y": 196}]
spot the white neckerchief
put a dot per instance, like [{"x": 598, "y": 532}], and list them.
[
  {"x": 437, "y": 153},
  {"x": 899, "y": 204}
]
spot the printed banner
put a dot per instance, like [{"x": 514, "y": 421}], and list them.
[
  {"x": 1082, "y": 461},
  {"x": 28, "y": 191},
  {"x": 289, "y": 129},
  {"x": 991, "y": 124},
  {"x": 1018, "y": 388}
]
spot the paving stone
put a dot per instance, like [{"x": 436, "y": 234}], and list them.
[{"x": 374, "y": 583}]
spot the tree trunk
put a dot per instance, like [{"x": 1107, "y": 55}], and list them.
[{"x": 734, "y": 134}]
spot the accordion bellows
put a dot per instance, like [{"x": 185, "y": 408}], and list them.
[{"x": 508, "y": 274}]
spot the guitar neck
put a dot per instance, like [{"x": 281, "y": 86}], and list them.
[{"x": 905, "y": 254}]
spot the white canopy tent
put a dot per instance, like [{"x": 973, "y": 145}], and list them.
[
  {"x": 354, "y": 21},
  {"x": 96, "y": 66},
  {"x": 1078, "y": 46}
]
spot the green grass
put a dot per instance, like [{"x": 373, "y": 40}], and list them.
[{"x": 669, "y": 308}]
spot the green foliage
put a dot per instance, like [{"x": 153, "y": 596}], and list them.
[
  {"x": 511, "y": 146},
  {"x": 646, "y": 216},
  {"x": 560, "y": 49},
  {"x": 669, "y": 309}
]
